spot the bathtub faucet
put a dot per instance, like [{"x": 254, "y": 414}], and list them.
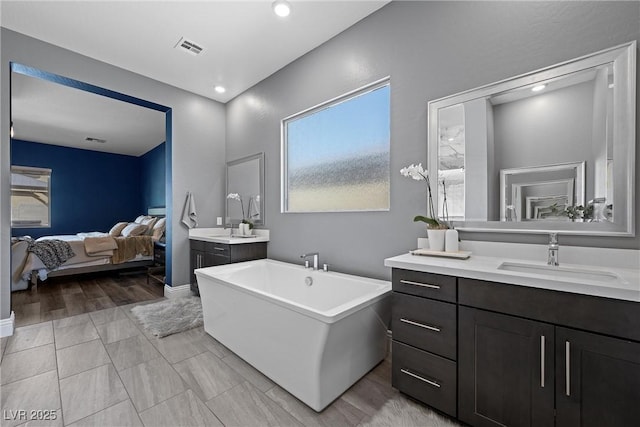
[{"x": 315, "y": 256}]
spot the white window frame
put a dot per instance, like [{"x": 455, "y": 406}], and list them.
[
  {"x": 32, "y": 171},
  {"x": 284, "y": 167}
]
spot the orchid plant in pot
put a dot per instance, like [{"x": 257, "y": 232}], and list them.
[
  {"x": 245, "y": 226},
  {"x": 436, "y": 228}
]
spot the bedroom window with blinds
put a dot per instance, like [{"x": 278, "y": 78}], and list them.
[
  {"x": 30, "y": 197},
  {"x": 335, "y": 156}
]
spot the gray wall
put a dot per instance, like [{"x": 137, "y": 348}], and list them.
[
  {"x": 549, "y": 128},
  {"x": 430, "y": 50},
  {"x": 198, "y": 152},
  {"x": 527, "y": 135}
]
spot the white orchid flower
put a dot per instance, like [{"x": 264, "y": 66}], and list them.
[
  {"x": 415, "y": 172},
  {"x": 234, "y": 196}
]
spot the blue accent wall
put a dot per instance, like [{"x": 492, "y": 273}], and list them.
[
  {"x": 90, "y": 190},
  {"x": 153, "y": 174}
]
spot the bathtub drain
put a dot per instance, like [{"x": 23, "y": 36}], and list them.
[{"x": 308, "y": 280}]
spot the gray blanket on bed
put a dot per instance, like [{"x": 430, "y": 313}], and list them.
[{"x": 52, "y": 252}]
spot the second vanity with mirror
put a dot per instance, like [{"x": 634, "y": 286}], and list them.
[
  {"x": 498, "y": 340},
  {"x": 244, "y": 201}
]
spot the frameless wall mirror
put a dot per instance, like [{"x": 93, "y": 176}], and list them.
[
  {"x": 552, "y": 150},
  {"x": 245, "y": 190}
]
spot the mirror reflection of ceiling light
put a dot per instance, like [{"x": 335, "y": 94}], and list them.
[
  {"x": 11, "y": 131},
  {"x": 611, "y": 86},
  {"x": 538, "y": 88},
  {"x": 281, "y": 8},
  {"x": 220, "y": 89}
]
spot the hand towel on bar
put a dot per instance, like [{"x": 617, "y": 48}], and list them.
[{"x": 189, "y": 215}]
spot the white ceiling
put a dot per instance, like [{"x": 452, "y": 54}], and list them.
[
  {"x": 50, "y": 113},
  {"x": 244, "y": 41}
]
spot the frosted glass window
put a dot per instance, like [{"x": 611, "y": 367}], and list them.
[
  {"x": 30, "y": 197},
  {"x": 336, "y": 156}
]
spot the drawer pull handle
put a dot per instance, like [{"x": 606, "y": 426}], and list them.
[
  {"x": 567, "y": 367},
  {"x": 411, "y": 374},
  {"x": 542, "y": 354},
  {"x": 424, "y": 285},
  {"x": 218, "y": 249},
  {"x": 422, "y": 325}
]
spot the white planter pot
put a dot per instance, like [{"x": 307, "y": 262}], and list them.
[
  {"x": 244, "y": 229},
  {"x": 451, "y": 241},
  {"x": 436, "y": 239}
]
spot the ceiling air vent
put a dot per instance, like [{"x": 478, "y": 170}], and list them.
[
  {"x": 188, "y": 46},
  {"x": 98, "y": 140}
]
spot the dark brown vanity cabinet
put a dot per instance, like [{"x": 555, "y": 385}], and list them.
[
  {"x": 506, "y": 375},
  {"x": 517, "y": 372},
  {"x": 597, "y": 380},
  {"x": 424, "y": 347},
  {"x": 209, "y": 254},
  {"x": 539, "y": 362},
  {"x": 523, "y": 356}
]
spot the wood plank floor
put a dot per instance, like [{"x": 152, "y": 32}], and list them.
[{"x": 60, "y": 297}]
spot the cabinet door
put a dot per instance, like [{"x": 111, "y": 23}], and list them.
[
  {"x": 195, "y": 261},
  {"x": 505, "y": 370},
  {"x": 598, "y": 380}
]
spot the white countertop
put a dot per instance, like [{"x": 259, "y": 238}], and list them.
[
  {"x": 221, "y": 235},
  {"x": 486, "y": 268}
]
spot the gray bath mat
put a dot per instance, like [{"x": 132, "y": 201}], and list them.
[{"x": 171, "y": 316}]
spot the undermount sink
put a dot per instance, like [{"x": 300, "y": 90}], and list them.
[{"x": 565, "y": 272}]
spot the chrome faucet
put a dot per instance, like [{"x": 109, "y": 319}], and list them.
[
  {"x": 554, "y": 250},
  {"x": 315, "y": 256}
]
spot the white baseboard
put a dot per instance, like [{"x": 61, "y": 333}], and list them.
[
  {"x": 177, "y": 291},
  {"x": 7, "y": 325}
]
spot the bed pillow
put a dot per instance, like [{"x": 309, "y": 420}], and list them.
[
  {"x": 158, "y": 228},
  {"x": 133, "y": 229},
  {"x": 117, "y": 229},
  {"x": 149, "y": 221},
  {"x": 141, "y": 218}
]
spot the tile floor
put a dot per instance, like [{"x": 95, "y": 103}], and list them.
[{"x": 103, "y": 369}]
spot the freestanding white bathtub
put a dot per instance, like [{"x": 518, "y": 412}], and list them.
[{"x": 314, "y": 340}]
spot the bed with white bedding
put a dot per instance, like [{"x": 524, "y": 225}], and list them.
[{"x": 124, "y": 247}]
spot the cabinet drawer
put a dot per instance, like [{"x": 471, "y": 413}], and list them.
[
  {"x": 198, "y": 245},
  {"x": 427, "y": 324},
  {"x": 427, "y": 285},
  {"x": 429, "y": 378},
  {"x": 218, "y": 249}
]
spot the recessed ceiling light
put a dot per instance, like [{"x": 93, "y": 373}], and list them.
[
  {"x": 220, "y": 89},
  {"x": 538, "y": 88},
  {"x": 281, "y": 8}
]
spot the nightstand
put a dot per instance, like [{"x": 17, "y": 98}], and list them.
[{"x": 156, "y": 271}]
